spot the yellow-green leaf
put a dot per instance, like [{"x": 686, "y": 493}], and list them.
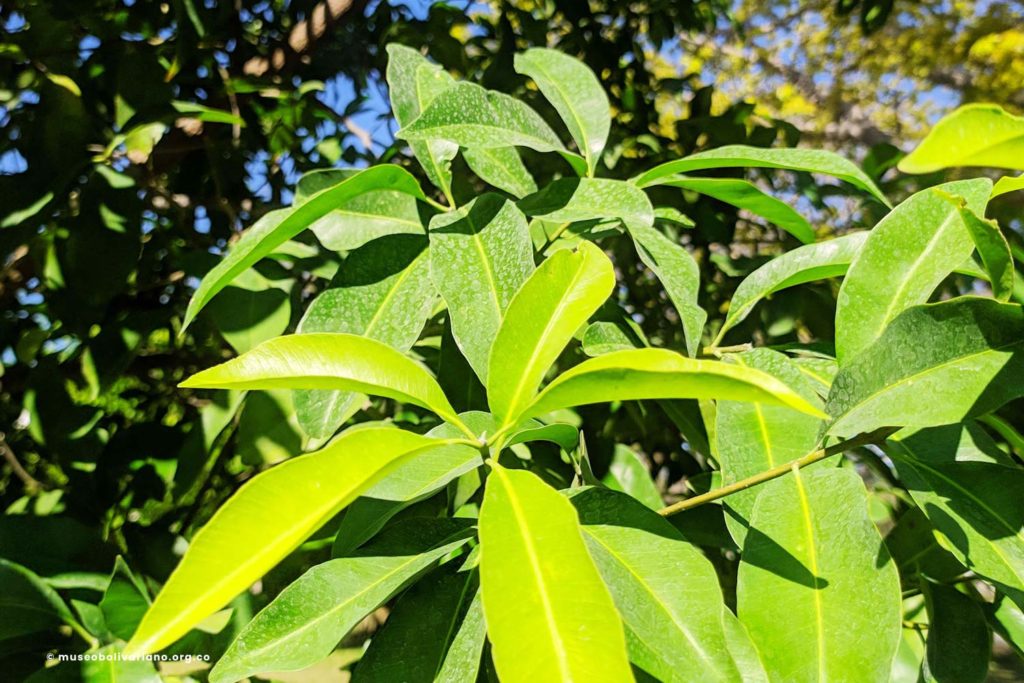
[{"x": 973, "y": 135}]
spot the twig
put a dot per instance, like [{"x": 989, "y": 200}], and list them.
[
  {"x": 31, "y": 483},
  {"x": 775, "y": 472}
]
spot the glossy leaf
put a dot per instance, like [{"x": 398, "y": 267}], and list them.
[
  {"x": 549, "y": 616},
  {"x": 472, "y": 116},
  {"x": 501, "y": 167},
  {"x": 413, "y": 83},
  {"x": 362, "y": 218},
  {"x": 307, "y": 619},
  {"x": 574, "y": 91},
  {"x": 383, "y": 291},
  {"x": 972, "y": 135},
  {"x": 742, "y": 156},
  {"x": 657, "y": 373},
  {"x": 436, "y": 605},
  {"x": 817, "y": 591},
  {"x": 753, "y": 437},
  {"x": 329, "y": 361},
  {"x": 801, "y": 265},
  {"x": 974, "y": 506},
  {"x": 541, "y": 319},
  {"x": 678, "y": 273},
  {"x": 994, "y": 251},
  {"x": 264, "y": 521},
  {"x": 966, "y": 355},
  {"x": 277, "y": 227},
  {"x": 481, "y": 255},
  {"x": 674, "y": 626},
  {"x": 568, "y": 200},
  {"x": 906, "y": 256},
  {"x": 959, "y": 641},
  {"x": 628, "y": 473},
  {"x": 745, "y": 195},
  {"x": 27, "y": 604}
]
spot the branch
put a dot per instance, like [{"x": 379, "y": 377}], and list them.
[
  {"x": 31, "y": 483},
  {"x": 303, "y": 36},
  {"x": 814, "y": 456}
]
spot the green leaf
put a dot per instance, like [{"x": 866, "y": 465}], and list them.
[
  {"x": 480, "y": 256},
  {"x": 436, "y": 605},
  {"x": 742, "y": 156},
  {"x": 549, "y": 616},
  {"x": 1007, "y": 184},
  {"x": 124, "y": 601},
  {"x": 678, "y": 273},
  {"x": 501, "y": 167},
  {"x": 966, "y": 355},
  {"x": 566, "y": 436},
  {"x": 817, "y": 591},
  {"x": 362, "y": 218},
  {"x": 974, "y": 506},
  {"x": 574, "y": 91},
  {"x": 308, "y": 618},
  {"x": 744, "y": 653},
  {"x": 906, "y": 256},
  {"x": 541, "y": 319},
  {"x": 674, "y": 625},
  {"x": 329, "y": 361},
  {"x": 1008, "y": 619},
  {"x": 745, "y": 195},
  {"x": 801, "y": 265},
  {"x": 462, "y": 661},
  {"x": 382, "y": 291},
  {"x": 413, "y": 83},
  {"x": 606, "y": 336},
  {"x": 959, "y": 641},
  {"x": 251, "y": 310},
  {"x": 108, "y": 668},
  {"x": 973, "y": 135},
  {"x": 628, "y": 473},
  {"x": 658, "y": 373},
  {"x": 277, "y": 227},
  {"x": 28, "y": 605},
  {"x": 568, "y": 200},
  {"x": 753, "y": 437},
  {"x": 264, "y": 521},
  {"x": 994, "y": 251},
  {"x": 472, "y": 116}
]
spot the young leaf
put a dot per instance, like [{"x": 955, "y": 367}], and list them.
[
  {"x": 973, "y": 135},
  {"x": 959, "y": 641},
  {"x": 906, "y": 256},
  {"x": 472, "y": 116},
  {"x": 308, "y": 618},
  {"x": 628, "y": 473},
  {"x": 678, "y": 274},
  {"x": 501, "y": 167},
  {"x": 817, "y": 591},
  {"x": 673, "y": 628},
  {"x": 994, "y": 251},
  {"x": 574, "y": 91},
  {"x": 436, "y": 605},
  {"x": 481, "y": 255},
  {"x": 658, "y": 373},
  {"x": 541, "y": 319},
  {"x": 264, "y": 521},
  {"x": 753, "y": 437},
  {"x": 277, "y": 227},
  {"x": 966, "y": 355},
  {"x": 345, "y": 362},
  {"x": 413, "y": 83},
  {"x": 549, "y": 616},
  {"x": 975, "y": 506},
  {"x": 362, "y": 218},
  {"x": 383, "y": 292},
  {"x": 745, "y": 195},
  {"x": 742, "y": 156},
  {"x": 804, "y": 264},
  {"x": 568, "y": 200}
]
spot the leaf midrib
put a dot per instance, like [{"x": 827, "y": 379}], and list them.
[
  {"x": 812, "y": 558},
  {"x": 572, "y": 110}
]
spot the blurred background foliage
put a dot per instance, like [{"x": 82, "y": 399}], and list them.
[{"x": 137, "y": 139}]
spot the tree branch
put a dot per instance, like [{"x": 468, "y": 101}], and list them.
[
  {"x": 814, "y": 456},
  {"x": 31, "y": 483}
]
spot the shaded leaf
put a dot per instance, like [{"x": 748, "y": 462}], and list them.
[
  {"x": 568, "y": 200},
  {"x": 959, "y": 642},
  {"x": 501, "y": 167}
]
